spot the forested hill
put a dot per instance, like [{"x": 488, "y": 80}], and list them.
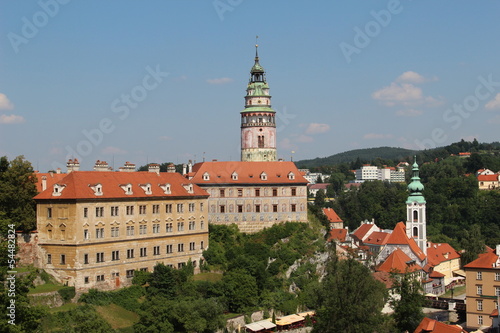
[{"x": 367, "y": 154}]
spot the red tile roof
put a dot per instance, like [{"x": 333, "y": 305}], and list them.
[
  {"x": 361, "y": 232},
  {"x": 51, "y": 178},
  {"x": 485, "y": 260},
  {"x": 337, "y": 234},
  {"x": 398, "y": 262},
  {"x": 377, "y": 238},
  {"x": 321, "y": 186},
  {"x": 436, "y": 275},
  {"x": 384, "y": 277},
  {"x": 440, "y": 252},
  {"x": 78, "y": 185},
  {"x": 428, "y": 325},
  {"x": 487, "y": 178},
  {"x": 331, "y": 215},
  {"x": 247, "y": 173},
  {"x": 399, "y": 237}
]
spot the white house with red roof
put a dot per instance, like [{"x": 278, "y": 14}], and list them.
[
  {"x": 488, "y": 181},
  {"x": 334, "y": 219}
]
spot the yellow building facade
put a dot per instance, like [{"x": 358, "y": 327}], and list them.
[{"x": 96, "y": 228}]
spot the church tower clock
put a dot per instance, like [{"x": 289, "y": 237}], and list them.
[
  {"x": 258, "y": 121},
  {"x": 416, "y": 225}
]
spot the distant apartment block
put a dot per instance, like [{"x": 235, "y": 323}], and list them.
[{"x": 390, "y": 174}]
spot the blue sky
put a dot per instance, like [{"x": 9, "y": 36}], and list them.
[{"x": 158, "y": 81}]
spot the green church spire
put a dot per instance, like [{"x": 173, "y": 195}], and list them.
[{"x": 415, "y": 187}]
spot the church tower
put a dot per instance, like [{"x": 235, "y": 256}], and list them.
[
  {"x": 415, "y": 210},
  {"x": 258, "y": 121}
]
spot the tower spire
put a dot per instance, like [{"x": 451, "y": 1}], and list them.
[{"x": 416, "y": 219}]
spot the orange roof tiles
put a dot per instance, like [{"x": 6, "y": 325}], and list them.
[
  {"x": 321, "y": 186},
  {"x": 440, "y": 252},
  {"x": 485, "y": 260},
  {"x": 331, "y": 215},
  {"x": 398, "y": 262},
  {"x": 399, "y": 237},
  {"x": 487, "y": 178},
  {"x": 51, "y": 178},
  {"x": 247, "y": 173},
  {"x": 361, "y": 232},
  {"x": 377, "y": 238},
  {"x": 78, "y": 185},
  {"x": 337, "y": 234},
  {"x": 436, "y": 275},
  {"x": 428, "y": 325}
]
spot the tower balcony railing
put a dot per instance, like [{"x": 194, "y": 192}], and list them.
[{"x": 267, "y": 124}]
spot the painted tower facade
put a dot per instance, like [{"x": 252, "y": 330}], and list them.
[
  {"x": 258, "y": 121},
  {"x": 416, "y": 225}
]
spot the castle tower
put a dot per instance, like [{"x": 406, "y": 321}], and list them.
[
  {"x": 415, "y": 210},
  {"x": 258, "y": 125}
]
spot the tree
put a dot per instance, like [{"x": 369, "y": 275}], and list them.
[
  {"x": 319, "y": 199},
  {"x": 473, "y": 244},
  {"x": 17, "y": 189},
  {"x": 240, "y": 290},
  {"x": 408, "y": 304},
  {"x": 350, "y": 299}
]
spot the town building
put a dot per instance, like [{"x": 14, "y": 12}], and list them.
[
  {"x": 95, "y": 228},
  {"x": 315, "y": 188},
  {"x": 254, "y": 195},
  {"x": 335, "y": 220},
  {"x": 428, "y": 325},
  {"x": 444, "y": 259},
  {"x": 312, "y": 177},
  {"x": 488, "y": 181},
  {"x": 482, "y": 288},
  {"x": 369, "y": 172}
]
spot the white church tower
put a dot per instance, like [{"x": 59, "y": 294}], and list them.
[{"x": 416, "y": 225}]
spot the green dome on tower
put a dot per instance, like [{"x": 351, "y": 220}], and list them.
[{"x": 415, "y": 187}]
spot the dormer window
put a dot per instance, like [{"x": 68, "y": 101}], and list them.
[
  {"x": 206, "y": 176},
  {"x": 146, "y": 188},
  {"x": 188, "y": 188},
  {"x": 97, "y": 188},
  {"x": 58, "y": 190},
  {"x": 166, "y": 188},
  {"x": 263, "y": 176},
  {"x": 127, "y": 188},
  {"x": 291, "y": 176},
  {"x": 234, "y": 176}
]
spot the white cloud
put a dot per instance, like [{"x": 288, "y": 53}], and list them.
[
  {"x": 399, "y": 93},
  {"x": 5, "y": 104},
  {"x": 11, "y": 119},
  {"x": 315, "y": 128},
  {"x": 110, "y": 150},
  {"x": 375, "y": 136},
  {"x": 409, "y": 113},
  {"x": 494, "y": 103},
  {"x": 414, "y": 77},
  {"x": 221, "y": 80},
  {"x": 304, "y": 139}
]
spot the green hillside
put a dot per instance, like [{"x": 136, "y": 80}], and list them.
[{"x": 367, "y": 154}]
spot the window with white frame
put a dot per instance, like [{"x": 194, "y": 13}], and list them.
[
  {"x": 156, "y": 228},
  {"x": 142, "y": 209},
  {"x": 479, "y": 275},
  {"x": 168, "y": 208},
  {"x": 180, "y": 226},
  {"x": 192, "y": 246},
  {"x": 156, "y": 209},
  {"x": 143, "y": 229},
  {"x": 99, "y": 257},
  {"x": 130, "y": 230},
  {"x": 143, "y": 252},
  {"x": 480, "y": 320},
  {"x": 115, "y": 231},
  {"x": 130, "y": 210},
  {"x": 192, "y": 225},
  {"x": 114, "y": 211},
  {"x": 180, "y": 208},
  {"x": 169, "y": 227},
  {"x": 479, "y": 289},
  {"x": 180, "y": 247},
  {"x": 99, "y": 211},
  {"x": 99, "y": 233},
  {"x": 156, "y": 250},
  {"x": 115, "y": 255},
  {"x": 130, "y": 253},
  {"x": 170, "y": 248},
  {"x": 191, "y": 207}
]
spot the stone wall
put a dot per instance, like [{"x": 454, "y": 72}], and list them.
[{"x": 27, "y": 252}]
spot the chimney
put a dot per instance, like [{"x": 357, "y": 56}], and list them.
[
  {"x": 171, "y": 168},
  {"x": 101, "y": 166},
  {"x": 190, "y": 167},
  {"x": 44, "y": 183},
  {"x": 153, "y": 167},
  {"x": 497, "y": 250},
  {"x": 58, "y": 171},
  {"x": 128, "y": 167},
  {"x": 73, "y": 165},
  {"x": 184, "y": 169}
]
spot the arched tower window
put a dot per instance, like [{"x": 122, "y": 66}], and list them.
[
  {"x": 261, "y": 141},
  {"x": 415, "y": 232},
  {"x": 415, "y": 216}
]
